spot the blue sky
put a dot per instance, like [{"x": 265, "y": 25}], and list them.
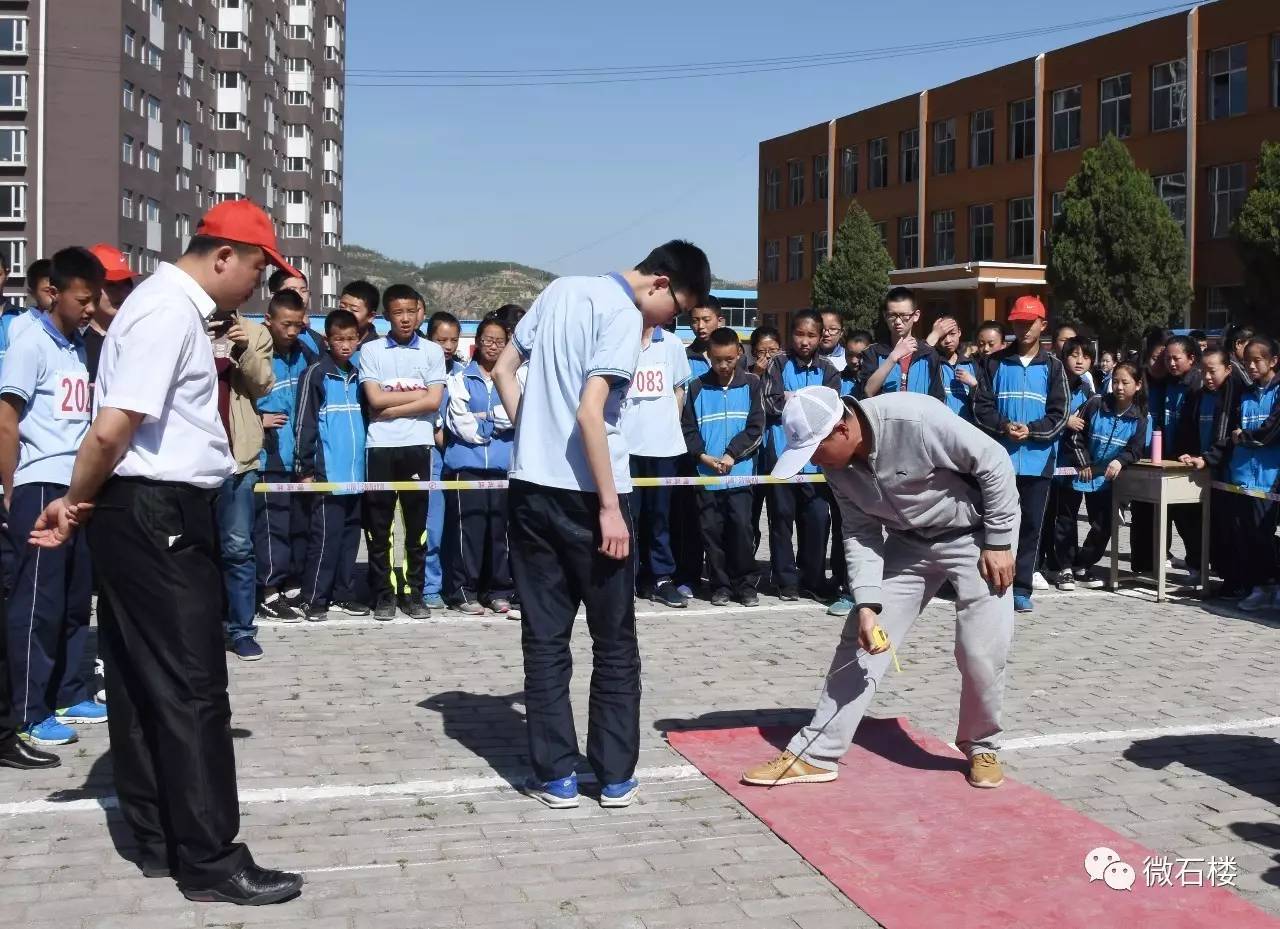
[{"x": 586, "y": 179}]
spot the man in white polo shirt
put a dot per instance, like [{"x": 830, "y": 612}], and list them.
[
  {"x": 651, "y": 426},
  {"x": 568, "y": 524},
  {"x": 402, "y": 378},
  {"x": 155, "y": 543}
]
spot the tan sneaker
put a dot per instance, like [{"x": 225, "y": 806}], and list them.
[
  {"x": 787, "y": 769},
  {"x": 985, "y": 771}
]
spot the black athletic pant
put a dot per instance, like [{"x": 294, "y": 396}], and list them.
[
  {"x": 555, "y": 557},
  {"x": 281, "y": 530},
  {"x": 686, "y": 528},
  {"x": 8, "y": 721},
  {"x": 1033, "y": 496},
  {"x": 805, "y": 507},
  {"x": 157, "y": 553},
  {"x": 407, "y": 463},
  {"x": 476, "y": 566},
  {"x": 1066, "y": 550},
  {"x": 329, "y": 573},
  {"x": 727, "y": 539},
  {"x": 1185, "y": 517}
]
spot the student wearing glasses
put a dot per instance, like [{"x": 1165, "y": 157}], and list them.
[
  {"x": 903, "y": 364},
  {"x": 478, "y": 435}
]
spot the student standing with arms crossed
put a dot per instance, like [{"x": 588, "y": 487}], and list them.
[
  {"x": 154, "y": 539},
  {"x": 569, "y": 525},
  {"x": 402, "y": 377}
]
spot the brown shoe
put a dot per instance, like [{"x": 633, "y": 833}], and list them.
[
  {"x": 787, "y": 769},
  {"x": 985, "y": 771}
]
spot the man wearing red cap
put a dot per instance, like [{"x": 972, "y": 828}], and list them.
[
  {"x": 118, "y": 286},
  {"x": 149, "y": 471},
  {"x": 1022, "y": 400}
]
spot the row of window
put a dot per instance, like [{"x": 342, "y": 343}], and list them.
[
  {"x": 1227, "y": 193},
  {"x": 1226, "y": 77}
]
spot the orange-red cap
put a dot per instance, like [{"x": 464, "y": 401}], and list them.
[
  {"x": 116, "y": 264},
  {"x": 1026, "y": 309},
  {"x": 245, "y": 222}
]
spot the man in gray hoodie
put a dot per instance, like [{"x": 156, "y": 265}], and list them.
[{"x": 925, "y": 497}]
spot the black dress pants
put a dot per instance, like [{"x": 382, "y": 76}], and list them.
[
  {"x": 555, "y": 558},
  {"x": 156, "y": 550}
]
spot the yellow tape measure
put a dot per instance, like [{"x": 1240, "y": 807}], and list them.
[{"x": 880, "y": 641}]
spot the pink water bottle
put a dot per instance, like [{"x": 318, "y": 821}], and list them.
[{"x": 1157, "y": 446}]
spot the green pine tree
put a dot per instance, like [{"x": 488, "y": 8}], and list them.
[
  {"x": 1118, "y": 261},
  {"x": 856, "y": 278},
  {"x": 1257, "y": 235}
]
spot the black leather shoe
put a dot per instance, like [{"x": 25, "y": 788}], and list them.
[
  {"x": 27, "y": 757},
  {"x": 251, "y": 886}
]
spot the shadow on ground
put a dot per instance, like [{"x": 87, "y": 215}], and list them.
[{"x": 490, "y": 726}]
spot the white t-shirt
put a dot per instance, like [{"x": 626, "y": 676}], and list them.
[
  {"x": 157, "y": 360},
  {"x": 413, "y": 366},
  {"x": 579, "y": 327},
  {"x": 650, "y": 417}
]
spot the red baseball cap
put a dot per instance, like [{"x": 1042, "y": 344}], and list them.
[
  {"x": 245, "y": 222},
  {"x": 1026, "y": 309},
  {"x": 114, "y": 261}
]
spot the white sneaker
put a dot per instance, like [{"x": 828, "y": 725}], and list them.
[
  {"x": 1066, "y": 581},
  {"x": 1092, "y": 581},
  {"x": 1193, "y": 578},
  {"x": 1259, "y": 598},
  {"x": 1177, "y": 564},
  {"x": 1039, "y": 582}
]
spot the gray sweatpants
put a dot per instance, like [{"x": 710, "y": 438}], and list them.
[{"x": 913, "y": 571}]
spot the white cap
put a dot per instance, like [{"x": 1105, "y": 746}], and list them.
[{"x": 807, "y": 419}]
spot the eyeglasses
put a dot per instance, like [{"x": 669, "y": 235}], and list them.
[
  {"x": 898, "y": 317},
  {"x": 831, "y": 329},
  {"x": 492, "y": 343},
  {"x": 671, "y": 290}
]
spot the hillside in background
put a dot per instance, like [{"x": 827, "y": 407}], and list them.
[{"x": 467, "y": 289}]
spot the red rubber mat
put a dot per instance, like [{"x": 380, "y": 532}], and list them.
[{"x": 905, "y": 837}]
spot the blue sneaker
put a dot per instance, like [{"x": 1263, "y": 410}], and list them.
[
  {"x": 561, "y": 794},
  {"x": 619, "y": 795},
  {"x": 247, "y": 649},
  {"x": 1022, "y": 603},
  {"x": 434, "y": 601},
  {"x": 84, "y": 712},
  {"x": 49, "y": 732},
  {"x": 842, "y": 606}
]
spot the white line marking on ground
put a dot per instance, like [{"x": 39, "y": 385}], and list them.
[
  {"x": 1116, "y": 735},
  {"x": 426, "y": 789},
  {"x": 457, "y": 619}
]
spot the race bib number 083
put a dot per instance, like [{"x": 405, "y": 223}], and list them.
[{"x": 649, "y": 383}]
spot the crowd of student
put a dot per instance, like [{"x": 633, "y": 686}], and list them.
[{"x": 350, "y": 405}]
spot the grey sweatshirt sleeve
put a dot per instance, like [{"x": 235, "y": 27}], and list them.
[
  {"x": 952, "y": 443},
  {"x": 863, "y": 550}
]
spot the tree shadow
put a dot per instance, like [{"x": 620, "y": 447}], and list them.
[
  {"x": 888, "y": 738},
  {"x": 1248, "y": 763},
  {"x": 490, "y": 726},
  {"x": 1265, "y": 834}
]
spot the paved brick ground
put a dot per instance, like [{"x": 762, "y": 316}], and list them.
[{"x": 344, "y": 704}]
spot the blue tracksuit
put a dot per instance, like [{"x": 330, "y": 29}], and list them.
[
  {"x": 924, "y": 374},
  {"x": 1036, "y": 395},
  {"x": 329, "y": 442},
  {"x": 698, "y": 363},
  {"x": 1108, "y": 435},
  {"x": 716, "y": 421},
  {"x": 1255, "y": 461},
  {"x": 954, "y": 391},
  {"x": 280, "y": 523},
  {"x": 433, "y": 576},
  {"x": 478, "y": 442}
]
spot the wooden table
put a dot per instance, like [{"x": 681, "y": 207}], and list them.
[{"x": 1162, "y": 484}]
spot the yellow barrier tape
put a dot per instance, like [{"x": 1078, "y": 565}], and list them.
[{"x": 409, "y": 486}]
